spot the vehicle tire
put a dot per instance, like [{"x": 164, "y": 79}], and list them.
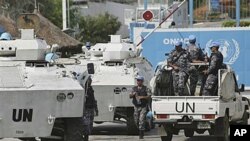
[
  {"x": 66, "y": 130},
  {"x": 189, "y": 133},
  {"x": 58, "y": 131},
  {"x": 245, "y": 118},
  {"x": 132, "y": 129},
  {"x": 222, "y": 128},
  {"x": 212, "y": 130},
  {"x": 27, "y": 139},
  {"x": 167, "y": 138},
  {"x": 98, "y": 122}
]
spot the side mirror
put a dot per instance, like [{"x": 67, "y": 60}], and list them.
[
  {"x": 242, "y": 88},
  {"x": 90, "y": 67}
]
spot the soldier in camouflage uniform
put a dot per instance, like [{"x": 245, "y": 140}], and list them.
[
  {"x": 141, "y": 97},
  {"x": 179, "y": 59},
  {"x": 90, "y": 110},
  {"x": 215, "y": 63},
  {"x": 196, "y": 55}
]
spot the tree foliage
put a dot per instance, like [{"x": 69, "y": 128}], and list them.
[
  {"x": 93, "y": 29},
  {"x": 97, "y": 29},
  {"x": 51, "y": 9}
]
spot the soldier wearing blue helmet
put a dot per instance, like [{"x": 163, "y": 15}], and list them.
[
  {"x": 179, "y": 60},
  {"x": 215, "y": 63},
  {"x": 196, "y": 55},
  {"x": 141, "y": 97}
]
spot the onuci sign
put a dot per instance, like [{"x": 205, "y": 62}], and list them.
[{"x": 234, "y": 46}]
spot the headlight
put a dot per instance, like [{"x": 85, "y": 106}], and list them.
[
  {"x": 70, "y": 95},
  {"x": 61, "y": 97}
]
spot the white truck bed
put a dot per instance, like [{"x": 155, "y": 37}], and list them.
[{"x": 177, "y": 106}]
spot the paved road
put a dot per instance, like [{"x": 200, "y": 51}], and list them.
[{"x": 117, "y": 132}]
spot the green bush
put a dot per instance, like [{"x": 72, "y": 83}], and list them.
[{"x": 233, "y": 23}]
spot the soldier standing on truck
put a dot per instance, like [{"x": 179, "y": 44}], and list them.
[
  {"x": 179, "y": 60},
  {"x": 90, "y": 109},
  {"x": 215, "y": 63},
  {"x": 141, "y": 97},
  {"x": 196, "y": 56}
]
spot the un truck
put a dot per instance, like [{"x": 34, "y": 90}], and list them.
[{"x": 202, "y": 113}]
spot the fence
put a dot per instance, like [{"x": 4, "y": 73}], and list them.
[{"x": 217, "y": 10}]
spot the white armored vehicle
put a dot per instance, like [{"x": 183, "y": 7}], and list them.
[
  {"x": 38, "y": 99},
  {"x": 116, "y": 66},
  {"x": 200, "y": 113}
]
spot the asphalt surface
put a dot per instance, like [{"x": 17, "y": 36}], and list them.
[{"x": 117, "y": 132}]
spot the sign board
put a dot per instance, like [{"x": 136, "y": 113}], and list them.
[
  {"x": 234, "y": 46},
  {"x": 148, "y": 15}
]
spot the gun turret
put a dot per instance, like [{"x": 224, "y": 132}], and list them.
[{"x": 27, "y": 48}]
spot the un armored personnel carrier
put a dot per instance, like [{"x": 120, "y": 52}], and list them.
[
  {"x": 116, "y": 65},
  {"x": 38, "y": 98}
]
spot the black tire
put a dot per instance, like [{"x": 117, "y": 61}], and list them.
[
  {"x": 167, "y": 138},
  {"x": 66, "y": 130},
  {"x": 27, "y": 139},
  {"x": 200, "y": 131},
  {"x": 132, "y": 129},
  {"x": 58, "y": 131},
  {"x": 189, "y": 133},
  {"x": 245, "y": 118},
  {"x": 212, "y": 130},
  {"x": 222, "y": 128}
]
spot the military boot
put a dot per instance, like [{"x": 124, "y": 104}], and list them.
[{"x": 141, "y": 134}]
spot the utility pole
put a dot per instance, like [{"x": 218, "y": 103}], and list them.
[{"x": 237, "y": 13}]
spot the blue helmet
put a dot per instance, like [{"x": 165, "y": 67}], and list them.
[
  {"x": 178, "y": 43},
  {"x": 149, "y": 115},
  {"x": 214, "y": 44},
  {"x": 139, "y": 78},
  {"x": 5, "y": 36},
  {"x": 192, "y": 39},
  {"x": 51, "y": 57},
  {"x": 88, "y": 45}
]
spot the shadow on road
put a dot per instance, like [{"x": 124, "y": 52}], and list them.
[
  {"x": 201, "y": 138},
  {"x": 109, "y": 129}
]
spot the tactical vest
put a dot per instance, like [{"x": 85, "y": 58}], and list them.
[
  {"x": 219, "y": 62},
  {"x": 140, "y": 92}
]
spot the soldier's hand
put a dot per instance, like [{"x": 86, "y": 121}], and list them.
[{"x": 132, "y": 95}]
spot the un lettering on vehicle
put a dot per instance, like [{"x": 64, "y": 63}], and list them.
[
  {"x": 184, "y": 107},
  {"x": 22, "y": 115}
]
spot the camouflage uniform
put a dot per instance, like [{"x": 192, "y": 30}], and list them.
[
  {"x": 140, "y": 106},
  {"x": 215, "y": 63},
  {"x": 195, "y": 54},
  {"x": 180, "y": 59},
  {"x": 89, "y": 109}
]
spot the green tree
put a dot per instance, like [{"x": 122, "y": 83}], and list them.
[
  {"x": 97, "y": 29},
  {"x": 51, "y": 9}
]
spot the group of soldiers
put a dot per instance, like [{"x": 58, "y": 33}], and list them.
[{"x": 183, "y": 63}]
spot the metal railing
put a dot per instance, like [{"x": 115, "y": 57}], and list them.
[{"x": 219, "y": 10}]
